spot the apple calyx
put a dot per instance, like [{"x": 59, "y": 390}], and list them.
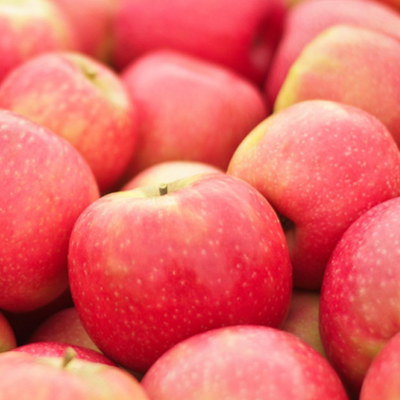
[
  {"x": 69, "y": 355},
  {"x": 163, "y": 189}
]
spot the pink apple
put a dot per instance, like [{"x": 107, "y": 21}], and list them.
[
  {"x": 241, "y": 35},
  {"x": 57, "y": 349},
  {"x": 321, "y": 165},
  {"x": 46, "y": 184},
  {"x": 7, "y": 337},
  {"x": 82, "y": 101},
  {"x": 25, "y": 376},
  {"x": 168, "y": 171},
  {"x": 325, "y": 70},
  {"x": 359, "y": 309},
  {"x": 92, "y": 21},
  {"x": 65, "y": 327},
  {"x": 152, "y": 266},
  {"x": 382, "y": 379},
  {"x": 189, "y": 109},
  {"x": 302, "y": 320},
  {"x": 29, "y": 28},
  {"x": 243, "y": 362},
  {"x": 309, "y": 18}
]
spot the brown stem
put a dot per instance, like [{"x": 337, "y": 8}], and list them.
[
  {"x": 69, "y": 355},
  {"x": 163, "y": 189}
]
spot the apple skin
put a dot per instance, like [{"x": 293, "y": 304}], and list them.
[
  {"x": 321, "y": 165},
  {"x": 147, "y": 271},
  {"x": 242, "y": 362},
  {"x": 7, "y": 337},
  {"x": 325, "y": 70},
  {"x": 189, "y": 110},
  {"x": 241, "y": 35},
  {"x": 303, "y": 318},
  {"x": 82, "y": 101},
  {"x": 359, "y": 308},
  {"x": 58, "y": 349},
  {"x": 168, "y": 171},
  {"x": 309, "y": 18},
  {"x": 46, "y": 184},
  {"x": 29, "y": 28},
  {"x": 26, "y": 376},
  {"x": 382, "y": 378}
]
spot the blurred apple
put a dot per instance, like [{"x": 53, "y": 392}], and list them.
[
  {"x": 46, "y": 184},
  {"x": 243, "y": 362},
  {"x": 7, "y": 337},
  {"x": 152, "y": 266},
  {"x": 82, "y": 101},
  {"x": 321, "y": 165},
  {"x": 189, "y": 110}
]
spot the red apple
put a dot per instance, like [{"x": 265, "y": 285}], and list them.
[
  {"x": 65, "y": 327},
  {"x": 29, "y": 28},
  {"x": 189, "y": 109},
  {"x": 305, "y": 21},
  {"x": 168, "y": 171},
  {"x": 25, "y": 377},
  {"x": 241, "y": 35},
  {"x": 46, "y": 184},
  {"x": 321, "y": 165},
  {"x": 57, "y": 349},
  {"x": 302, "y": 320},
  {"x": 7, "y": 337},
  {"x": 152, "y": 266},
  {"x": 325, "y": 70},
  {"x": 243, "y": 362},
  {"x": 360, "y": 305},
  {"x": 382, "y": 379},
  {"x": 82, "y": 101}
]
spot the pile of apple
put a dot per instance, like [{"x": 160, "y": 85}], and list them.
[{"x": 200, "y": 199}]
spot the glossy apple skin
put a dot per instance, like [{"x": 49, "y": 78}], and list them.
[
  {"x": 7, "y": 336},
  {"x": 359, "y": 310},
  {"x": 320, "y": 165},
  {"x": 46, "y": 184},
  {"x": 309, "y": 18},
  {"x": 242, "y": 362},
  {"x": 82, "y": 101},
  {"x": 303, "y": 318},
  {"x": 29, "y": 28},
  {"x": 26, "y": 376},
  {"x": 240, "y": 35},
  {"x": 168, "y": 171},
  {"x": 325, "y": 70},
  {"x": 158, "y": 269},
  {"x": 189, "y": 109},
  {"x": 63, "y": 326},
  {"x": 382, "y": 378}
]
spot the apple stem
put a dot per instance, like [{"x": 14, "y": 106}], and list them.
[
  {"x": 69, "y": 355},
  {"x": 90, "y": 72},
  {"x": 163, "y": 189}
]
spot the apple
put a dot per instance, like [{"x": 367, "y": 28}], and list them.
[
  {"x": 7, "y": 337},
  {"x": 26, "y": 376},
  {"x": 81, "y": 100},
  {"x": 168, "y": 171},
  {"x": 324, "y": 70},
  {"x": 241, "y": 35},
  {"x": 65, "y": 327},
  {"x": 152, "y": 266},
  {"x": 359, "y": 309},
  {"x": 320, "y": 164},
  {"x": 58, "y": 349},
  {"x": 309, "y": 18},
  {"x": 242, "y": 362},
  {"x": 189, "y": 110},
  {"x": 46, "y": 184},
  {"x": 29, "y": 28},
  {"x": 303, "y": 318},
  {"x": 92, "y": 21},
  {"x": 382, "y": 378}
]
